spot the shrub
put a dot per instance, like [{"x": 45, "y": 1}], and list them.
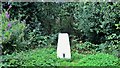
[
  {"x": 0, "y": 35},
  {"x": 87, "y": 47},
  {"x": 99, "y": 23},
  {"x": 108, "y": 47},
  {"x": 84, "y": 46},
  {"x": 96, "y": 26},
  {"x": 119, "y": 62},
  {"x": 37, "y": 40},
  {"x": 12, "y": 32}
]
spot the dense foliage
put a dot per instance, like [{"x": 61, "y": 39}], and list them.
[
  {"x": 12, "y": 32},
  {"x": 92, "y": 22},
  {"x": 93, "y": 27},
  {"x": 47, "y": 57},
  {"x": 72, "y": 17}
]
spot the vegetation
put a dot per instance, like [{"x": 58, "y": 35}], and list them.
[
  {"x": 12, "y": 32},
  {"x": 29, "y": 33},
  {"x": 47, "y": 57}
]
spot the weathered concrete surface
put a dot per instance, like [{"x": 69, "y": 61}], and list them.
[{"x": 63, "y": 48}]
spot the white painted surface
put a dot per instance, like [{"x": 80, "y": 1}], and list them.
[{"x": 63, "y": 46}]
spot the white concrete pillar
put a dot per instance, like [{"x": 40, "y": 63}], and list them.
[{"x": 63, "y": 46}]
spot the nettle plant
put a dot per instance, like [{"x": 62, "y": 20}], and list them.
[{"x": 12, "y": 32}]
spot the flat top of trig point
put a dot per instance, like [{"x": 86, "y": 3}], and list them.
[{"x": 63, "y": 33}]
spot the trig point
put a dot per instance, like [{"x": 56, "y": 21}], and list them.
[{"x": 63, "y": 46}]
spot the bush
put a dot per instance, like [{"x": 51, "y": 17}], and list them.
[
  {"x": 97, "y": 26},
  {"x": 87, "y": 47},
  {"x": 99, "y": 23},
  {"x": 12, "y": 33}
]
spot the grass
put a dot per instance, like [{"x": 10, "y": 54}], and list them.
[{"x": 47, "y": 57}]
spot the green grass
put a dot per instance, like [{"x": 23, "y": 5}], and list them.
[{"x": 47, "y": 57}]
